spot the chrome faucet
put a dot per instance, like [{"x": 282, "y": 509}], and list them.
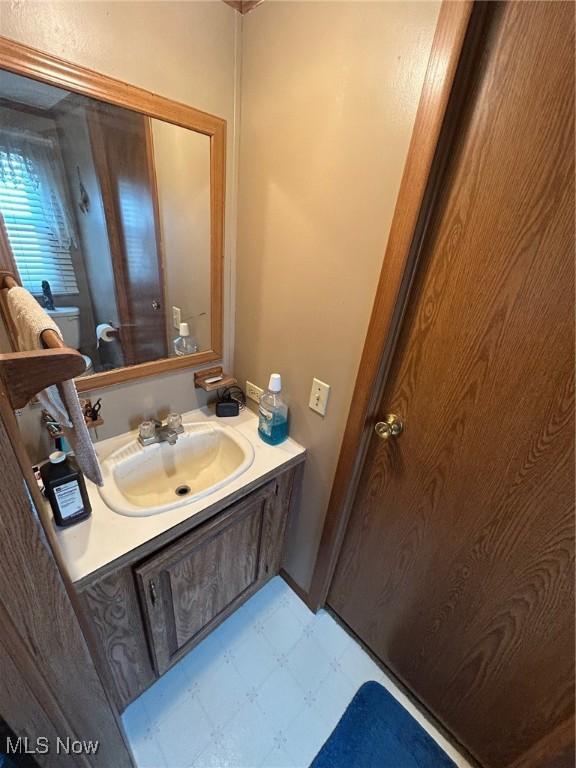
[{"x": 154, "y": 431}]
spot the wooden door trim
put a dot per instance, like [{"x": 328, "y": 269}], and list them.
[
  {"x": 457, "y": 28},
  {"x": 160, "y": 251},
  {"x": 113, "y": 231}
]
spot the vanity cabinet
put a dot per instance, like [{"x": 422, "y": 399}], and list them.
[
  {"x": 188, "y": 586},
  {"x": 156, "y": 605}
]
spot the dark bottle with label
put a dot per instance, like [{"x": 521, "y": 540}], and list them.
[{"x": 65, "y": 489}]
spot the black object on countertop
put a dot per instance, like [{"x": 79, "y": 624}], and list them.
[
  {"x": 228, "y": 408},
  {"x": 65, "y": 489},
  {"x": 231, "y": 400}
]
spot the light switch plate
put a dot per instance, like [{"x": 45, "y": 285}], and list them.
[
  {"x": 253, "y": 392},
  {"x": 319, "y": 396},
  {"x": 176, "y": 317}
]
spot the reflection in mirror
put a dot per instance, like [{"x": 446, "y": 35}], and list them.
[{"x": 105, "y": 219}]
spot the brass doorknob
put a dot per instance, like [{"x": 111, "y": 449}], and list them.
[{"x": 392, "y": 426}]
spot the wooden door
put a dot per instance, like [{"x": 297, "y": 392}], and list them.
[
  {"x": 457, "y": 564},
  {"x": 192, "y": 585},
  {"x": 123, "y": 154}
]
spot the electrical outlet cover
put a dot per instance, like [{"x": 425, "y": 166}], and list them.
[
  {"x": 176, "y": 317},
  {"x": 253, "y": 392}
]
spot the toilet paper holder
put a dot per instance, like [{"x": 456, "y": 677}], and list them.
[{"x": 106, "y": 332}]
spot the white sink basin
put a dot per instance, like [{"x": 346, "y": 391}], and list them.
[{"x": 140, "y": 481}]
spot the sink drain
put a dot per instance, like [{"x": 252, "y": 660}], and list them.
[{"x": 183, "y": 490}]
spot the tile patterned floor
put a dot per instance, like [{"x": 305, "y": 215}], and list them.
[{"x": 265, "y": 689}]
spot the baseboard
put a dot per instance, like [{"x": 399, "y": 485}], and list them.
[{"x": 295, "y": 587}]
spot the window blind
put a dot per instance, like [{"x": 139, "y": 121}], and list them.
[{"x": 37, "y": 251}]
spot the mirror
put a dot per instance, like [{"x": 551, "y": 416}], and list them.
[{"x": 112, "y": 218}]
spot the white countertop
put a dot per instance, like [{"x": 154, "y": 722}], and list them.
[{"x": 106, "y": 535}]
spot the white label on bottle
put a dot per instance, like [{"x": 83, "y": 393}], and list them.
[
  {"x": 69, "y": 499},
  {"x": 265, "y": 421}
]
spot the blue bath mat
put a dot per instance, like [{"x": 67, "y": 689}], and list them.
[{"x": 377, "y": 732}]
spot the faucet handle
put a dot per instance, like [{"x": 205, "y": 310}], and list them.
[
  {"x": 147, "y": 429},
  {"x": 174, "y": 421}
]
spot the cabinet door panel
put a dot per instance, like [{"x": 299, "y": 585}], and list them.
[
  {"x": 214, "y": 573},
  {"x": 191, "y": 585}
]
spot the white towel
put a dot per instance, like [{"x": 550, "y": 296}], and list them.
[{"x": 60, "y": 400}]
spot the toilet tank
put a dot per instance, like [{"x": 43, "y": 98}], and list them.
[{"x": 68, "y": 320}]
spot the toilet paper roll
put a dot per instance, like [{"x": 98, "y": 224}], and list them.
[{"x": 105, "y": 332}]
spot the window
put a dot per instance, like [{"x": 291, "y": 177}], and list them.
[{"x": 37, "y": 225}]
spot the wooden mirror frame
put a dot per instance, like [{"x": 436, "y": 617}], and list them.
[{"x": 30, "y": 62}]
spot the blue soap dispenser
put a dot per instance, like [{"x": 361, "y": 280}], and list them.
[{"x": 273, "y": 413}]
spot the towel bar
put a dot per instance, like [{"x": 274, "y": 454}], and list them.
[
  {"x": 24, "y": 374},
  {"x": 50, "y": 339}
]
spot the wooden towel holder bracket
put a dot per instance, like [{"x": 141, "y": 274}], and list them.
[{"x": 24, "y": 374}]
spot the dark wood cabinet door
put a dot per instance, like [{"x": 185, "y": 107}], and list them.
[
  {"x": 457, "y": 565},
  {"x": 191, "y": 585}
]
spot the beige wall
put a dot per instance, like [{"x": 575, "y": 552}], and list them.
[
  {"x": 187, "y": 51},
  {"x": 184, "y": 212},
  {"x": 329, "y": 94}
]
